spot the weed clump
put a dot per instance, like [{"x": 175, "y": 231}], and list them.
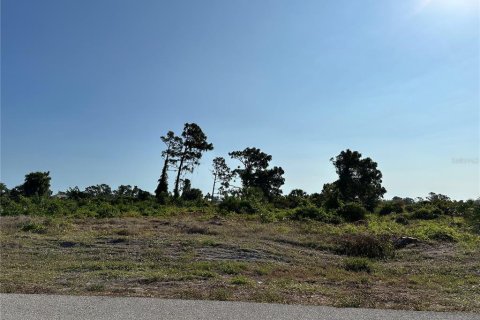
[
  {"x": 366, "y": 245},
  {"x": 358, "y": 265},
  {"x": 34, "y": 227},
  {"x": 402, "y": 220},
  {"x": 426, "y": 214},
  {"x": 197, "y": 229},
  {"x": 240, "y": 280},
  {"x": 314, "y": 213}
]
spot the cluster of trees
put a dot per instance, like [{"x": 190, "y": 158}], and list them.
[
  {"x": 37, "y": 184},
  {"x": 183, "y": 153},
  {"x": 359, "y": 179},
  {"x": 357, "y": 190}
]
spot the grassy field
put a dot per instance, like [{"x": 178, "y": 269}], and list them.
[{"x": 203, "y": 256}]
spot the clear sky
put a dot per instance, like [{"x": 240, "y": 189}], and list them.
[{"x": 89, "y": 86}]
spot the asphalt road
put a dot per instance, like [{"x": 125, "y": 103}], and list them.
[{"x": 51, "y": 307}]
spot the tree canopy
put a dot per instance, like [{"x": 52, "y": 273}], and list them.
[
  {"x": 359, "y": 180},
  {"x": 183, "y": 153},
  {"x": 174, "y": 146},
  {"x": 255, "y": 172},
  {"x": 36, "y": 184}
]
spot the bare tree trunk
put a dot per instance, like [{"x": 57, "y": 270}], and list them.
[
  {"x": 213, "y": 189},
  {"x": 176, "y": 192}
]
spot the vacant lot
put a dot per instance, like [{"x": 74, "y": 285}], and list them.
[{"x": 202, "y": 256}]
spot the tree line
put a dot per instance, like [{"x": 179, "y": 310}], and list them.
[
  {"x": 357, "y": 190},
  {"x": 359, "y": 179}
]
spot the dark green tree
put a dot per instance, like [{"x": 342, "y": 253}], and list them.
[
  {"x": 99, "y": 191},
  {"x": 330, "y": 196},
  {"x": 193, "y": 145},
  {"x": 37, "y": 184},
  {"x": 255, "y": 172},
  {"x": 189, "y": 193},
  {"x": 4, "y": 190},
  {"x": 140, "y": 194},
  {"x": 75, "y": 193},
  {"x": 296, "y": 198},
  {"x": 359, "y": 180},
  {"x": 221, "y": 174},
  {"x": 124, "y": 191},
  {"x": 174, "y": 145}
]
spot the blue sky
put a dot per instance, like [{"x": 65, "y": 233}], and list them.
[{"x": 88, "y": 87}]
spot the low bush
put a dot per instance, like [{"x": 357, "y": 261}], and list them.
[
  {"x": 391, "y": 207},
  {"x": 402, "y": 220},
  {"x": 34, "y": 227},
  {"x": 192, "y": 195},
  {"x": 233, "y": 204},
  {"x": 425, "y": 214},
  {"x": 106, "y": 210},
  {"x": 442, "y": 236},
  {"x": 366, "y": 245},
  {"x": 357, "y": 265},
  {"x": 352, "y": 211},
  {"x": 315, "y": 213},
  {"x": 472, "y": 216}
]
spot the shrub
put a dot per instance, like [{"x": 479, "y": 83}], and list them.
[
  {"x": 267, "y": 216},
  {"x": 84, "y": 212},
  {"x": 366, "y": 245},
  {"x": 9, "y": 207},
  {"x": 391, "y": 207},
  {"x": 233, "y": 204},
  {"x": 358, "y": 265},
  {"x": 473, "y": 217},
  {"x": 314, "y": 213},
  {"x": 197, "y": 229},
  {"x": 352, "y": 211},
  {"x": 442, "y": 236},
  {"x": 106, "y": 210},
  {"x": 192, "y": 194},
  {"x": 410, "y": 208},
  {"x": 402, "y": 220},
  {"x": 425, "y": 214},
  {"x": 34, "y": 227}
]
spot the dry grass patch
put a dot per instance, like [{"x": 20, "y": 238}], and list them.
[{"x": 237, "y": 258}]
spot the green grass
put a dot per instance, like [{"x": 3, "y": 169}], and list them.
[{"x": 242, "y": 259}]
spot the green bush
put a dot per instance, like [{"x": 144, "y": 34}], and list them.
[
  {"x": 410, "y": 208},
  {"x": 402, "y": 219},
  {"x": 9, "y": 207},
  {"x": 442, "y": 236},
  {"x": 358, "y": 265},
  {"x": 192, "y": 194},
  {"x": 314, "y": 213},
  {"x": 84, "y": 212},
  {"x": 352, "y": 211},
  {"x": 106, "y": 210},
  {"x": 35, "y": 227},
  {"x": 472, "y": 216},
  {"x": 234, "y": 204},
  {"x": 391, "y": 207},
  {"x": 425, "y": 213},
  {"x": 366, "y": 245}
]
